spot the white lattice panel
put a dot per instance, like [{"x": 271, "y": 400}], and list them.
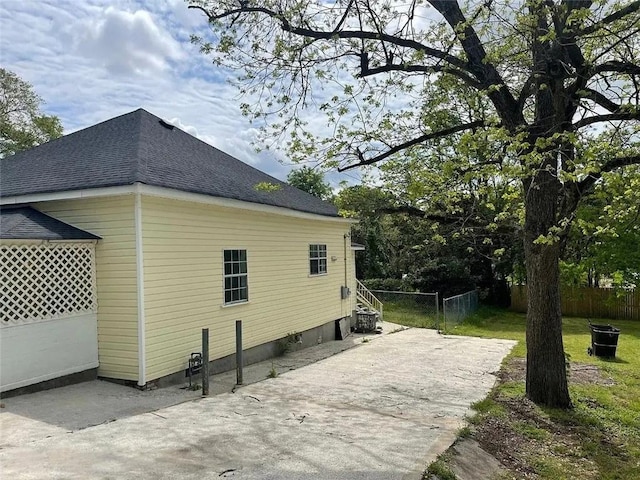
[{"x": 46, "y": 281}]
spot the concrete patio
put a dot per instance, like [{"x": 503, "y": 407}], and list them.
[{"x": 382, "y": 410}]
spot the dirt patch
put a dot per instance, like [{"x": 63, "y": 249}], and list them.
[
  {"x": 507, "y": 450},
  {"x": 527, "y": 443},
  {"x": 579, "y": 373},
  {"x": 525, "y": 439},
  {"x": 497, "y": 436}
]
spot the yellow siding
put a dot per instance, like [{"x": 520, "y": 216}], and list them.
[
  {"x": 112, "y": 218},
  {"x": 183, "y": 245}
]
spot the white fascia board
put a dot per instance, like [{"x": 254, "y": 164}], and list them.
[
  {"x": 172, "y": 194},
  {"x": 68, "y": 195},
  {"x": 40, "y": 241}
]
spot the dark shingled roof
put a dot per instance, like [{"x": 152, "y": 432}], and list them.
[
  {"x": 29, "y": 223},
  {"x": 140, "y": 147}
]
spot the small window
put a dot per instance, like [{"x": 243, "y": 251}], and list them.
[
  {"x": 317, "y": 259},
  {"x": 236, "y": 289}
]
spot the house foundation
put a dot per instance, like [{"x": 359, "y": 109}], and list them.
[{"x": 295, "y": 341}]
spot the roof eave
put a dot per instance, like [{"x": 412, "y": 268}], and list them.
[{"x": 165, "y": 192}]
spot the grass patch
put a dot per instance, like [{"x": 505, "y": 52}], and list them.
[
  {"x": 598, "y": 439},
  {"x": 530, "y": 431},
  {"x": 547, "y": 467},
  {"x": 465, "y": 432},
  {"x": 488, "y": 406},
  {"x": 440, "y": 468},
  {"x": 512, "y": 389},
  {"x": 408, "y": 314},
  {"x": 273, "y": 373}
]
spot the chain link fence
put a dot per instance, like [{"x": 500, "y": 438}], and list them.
[
  {"x": 455, "y": 309},
  {"x": 425, "y": 310},
  {"x": 417, "y": 308}
]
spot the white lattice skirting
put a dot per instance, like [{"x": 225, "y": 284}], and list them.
[{"x": 46, "y": 281}]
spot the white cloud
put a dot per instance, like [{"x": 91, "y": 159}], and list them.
[
  {"x": 92, "y": 60},
  {"x": 126, "y": 42},
  {"x": 178, "y": 12}
]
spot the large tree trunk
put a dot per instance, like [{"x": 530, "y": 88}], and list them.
[{"x": 546, "y": 368}]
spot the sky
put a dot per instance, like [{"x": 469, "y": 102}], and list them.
[{"x": 91, "y": 60}]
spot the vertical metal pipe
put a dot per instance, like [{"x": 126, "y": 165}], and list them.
[
  {"x": 444, "y": 314},
  {"x": 239, "y": 359},
  {"x": 205, "y": 361},
  {"x": 142, "y": 349}
]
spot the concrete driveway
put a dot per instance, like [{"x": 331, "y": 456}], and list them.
[{"x": 382, "y": 410}]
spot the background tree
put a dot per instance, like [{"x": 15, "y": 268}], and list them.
[
  {"x": 373, "y": 230},
  {"x": 604, "y": 242},
  {"x": 535, "y": 76},
  {"x": 431, "y": 247},
  {"x": 466, "y": 222},
  {"x": 22, "y": 124},
  {"x": 311, "y": 181}
]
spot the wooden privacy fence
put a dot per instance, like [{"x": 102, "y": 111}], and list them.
[{"x": 588, "y": 302}]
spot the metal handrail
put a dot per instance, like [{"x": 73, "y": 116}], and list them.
[{"x": 364, "y": 295}]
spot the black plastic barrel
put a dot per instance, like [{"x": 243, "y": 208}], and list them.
[{"x": 604, "y": 340}]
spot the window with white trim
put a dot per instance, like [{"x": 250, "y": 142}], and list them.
[
  {"x": 317, "y": 259},
  {"x": 236, "y": 289}
]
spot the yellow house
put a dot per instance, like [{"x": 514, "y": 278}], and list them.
[{"x": 189, "y": 238}]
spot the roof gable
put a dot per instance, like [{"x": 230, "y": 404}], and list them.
[
  {"x": 140, "y": 147},
  {"x": 27, "y": 223}
]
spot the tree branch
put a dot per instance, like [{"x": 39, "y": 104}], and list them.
[
  {"x": 617, "y": 67},
  {"x": 412, "y": 211},
  {"x": 586, "y": 184},
  {"x": 406, "y": 209},
  {"x": 601, "y": 100},
  {"x": 618, "y": 15},
  {"x": 506, "y": 105},
  {"x": 466, "y": 78},
  {"x": 527, "y": 90},
  {"x": 611, "y": 117},
  {"x": 577, "y": 190},
  {"x": 583, "y": 75},
  {"x": 344, "y": 34},
  {"x": 344, "y": 17},
  {"x": 613, "y": 66},
  {"x": 411, "y": 143},
  {"x": 620, "y": 162},
  {"x": 567, "y": 36}
]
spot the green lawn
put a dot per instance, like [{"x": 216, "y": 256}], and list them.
[
  {"x": 410, "y": 314},
  {"x": 598, "y": 439}
]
